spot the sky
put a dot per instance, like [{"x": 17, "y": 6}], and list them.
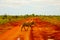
[{"x": 22, "y": 7}]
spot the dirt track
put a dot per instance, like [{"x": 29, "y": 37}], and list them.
[{"x": 40, "y": 30}]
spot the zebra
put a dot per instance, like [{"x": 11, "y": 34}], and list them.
[{"x": 27, "y": 24}]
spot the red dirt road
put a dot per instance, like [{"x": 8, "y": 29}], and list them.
[{"x": 40, "y": 31}]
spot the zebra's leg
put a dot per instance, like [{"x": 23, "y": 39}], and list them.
[
  {"x": 27, "y": 28},
  {"x": 23, "y": 27}
]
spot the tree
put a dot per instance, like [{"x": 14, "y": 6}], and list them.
[
  {"x": 5, "y": 16},
  {"x": 33, "y": 14}
]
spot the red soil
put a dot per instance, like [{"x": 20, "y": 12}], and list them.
[{"x": 40, "y": 31}]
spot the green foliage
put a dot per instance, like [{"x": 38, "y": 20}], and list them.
[{"x": 7, "y": 18}]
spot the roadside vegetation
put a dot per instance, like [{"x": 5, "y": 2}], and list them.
[{"x": 7, "y": 18}]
